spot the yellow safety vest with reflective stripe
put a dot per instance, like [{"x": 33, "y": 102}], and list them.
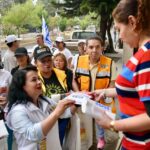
[
  {"x": 103, "y": 74},
  {"x": 61, "y": 76}
]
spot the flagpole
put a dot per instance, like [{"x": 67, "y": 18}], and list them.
[{"x": 46, "y": 33}]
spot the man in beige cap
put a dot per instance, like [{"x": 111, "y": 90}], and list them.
[{"x": 9, "y": 59}]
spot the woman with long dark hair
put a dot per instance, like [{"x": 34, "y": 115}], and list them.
[
  {"x": 31, "y": 116},
  {"x": 22, "y": 58}
]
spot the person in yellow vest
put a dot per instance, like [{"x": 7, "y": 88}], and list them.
[
  {"x": 94, "y": 72},
  {"x": 53, "y": 82}
]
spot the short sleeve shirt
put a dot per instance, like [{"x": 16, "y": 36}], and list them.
[
  {"x": 133, "y": 84},
  {"x": 66, "y": 52},
  {"x": 53, "y": 86},
  {"x": 9, "y": 60}
]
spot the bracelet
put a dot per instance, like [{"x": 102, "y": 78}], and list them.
[{"x": 112, "y": 126}]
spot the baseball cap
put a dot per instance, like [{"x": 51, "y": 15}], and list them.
[
  {"x": 81, "y": 41},
  {"x": 59, "y": 39},
  {"x": 21, "y": 51},
  {"x": 42, "y": 52},
  {"x": 11, "y": 38}
]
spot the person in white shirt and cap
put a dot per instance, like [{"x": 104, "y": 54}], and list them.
[
  {"x": 81, "y": 51},
  {"x": 62, "y": 49},
  {"x": 9, "y": 59},
  {"x": 5, "y": 80}
]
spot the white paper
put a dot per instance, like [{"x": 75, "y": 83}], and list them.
[
  {"x": 55, "y": 97},
  {"x": 90, "y": 107},
  {"x": 96, "y": 110},
  {"x": 78, "y": 97}
]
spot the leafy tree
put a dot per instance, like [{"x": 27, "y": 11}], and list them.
[
  {"x": 4, "y": 5},
  {"x": 87, "y": 20},
  {"x": 102, "y": 8},
  {"x": 23, "y": 14},
  {"x": 62, "y": 24},
  {"x": 48, "y": 7},
  {"x": 84, "y": 22},
  {"x": 20, "y": 1},
  {"x": 73, "y": 21},
  {"x": 53, "y": 22}
]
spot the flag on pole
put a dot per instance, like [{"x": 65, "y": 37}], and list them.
[{"x": 46, "y": 34}]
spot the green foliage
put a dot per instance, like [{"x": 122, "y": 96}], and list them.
[
  {"x": 4, "y": 5},
  {"x": 103, "y": 9},
  {"x": 20, "y": 1},
  {"x": 84, "y": 22},
  {"x": 9, "y": 29},
  {"x": 90, "y": 19},
  {"x": 23, "y": 14},
  {"x": 48, "y": 7},
  {"x": 53, "y": 22},
  {"x": 73, "y": 21},
  {"x": 99, "y": 8},
  {"x": 70, "y": 8},
  {"x": 62, "y": 24}
]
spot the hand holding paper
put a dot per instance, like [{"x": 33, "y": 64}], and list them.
[{"x": 90, "y": 107}]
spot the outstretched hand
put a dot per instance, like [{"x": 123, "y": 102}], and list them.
[
  {"x": 97, "y": 94},
  {"x": 63, "y": 105},
  {"x": 105, "y": 122}
]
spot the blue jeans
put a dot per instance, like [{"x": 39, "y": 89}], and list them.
[
  {"x": 62, "y": 123},
  {"x": 122, "y": 148},
  {"x": 99, "y": 132}
]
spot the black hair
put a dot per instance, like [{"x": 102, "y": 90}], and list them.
[
  {"x": 40, "y": 35},
  {"x": 10, "y": 44},
  {"x": 28, "y": 60},
  {"x": 16, "y": 93},
  {"x": 98, "y": 38}
]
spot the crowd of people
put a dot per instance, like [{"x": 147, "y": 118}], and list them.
[{"x": 35, "y": 120}]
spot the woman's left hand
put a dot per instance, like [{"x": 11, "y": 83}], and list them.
[
  {"x": 73, "y": 109},
  {"x": 105, "y": 122},
  {"x": 62, "y": 106}
]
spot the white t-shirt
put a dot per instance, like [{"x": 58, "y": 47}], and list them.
[
  {"x": 74, "y": 61},
  {"x": 66, "y": 52},
  {"x": 9, "y": 60},
  {"x": 31, "y": 56},
  {"x": 5, "y": 77}
]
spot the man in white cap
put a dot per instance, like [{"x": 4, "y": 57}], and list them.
[
  {"x": 9, "y": 59},
  {"x": 62, "y": 49}
]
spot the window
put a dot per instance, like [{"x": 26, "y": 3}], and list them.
[{"x": 83, "y": 35}]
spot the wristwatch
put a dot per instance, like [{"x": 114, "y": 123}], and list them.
[{"x": 112, "y": 128}]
